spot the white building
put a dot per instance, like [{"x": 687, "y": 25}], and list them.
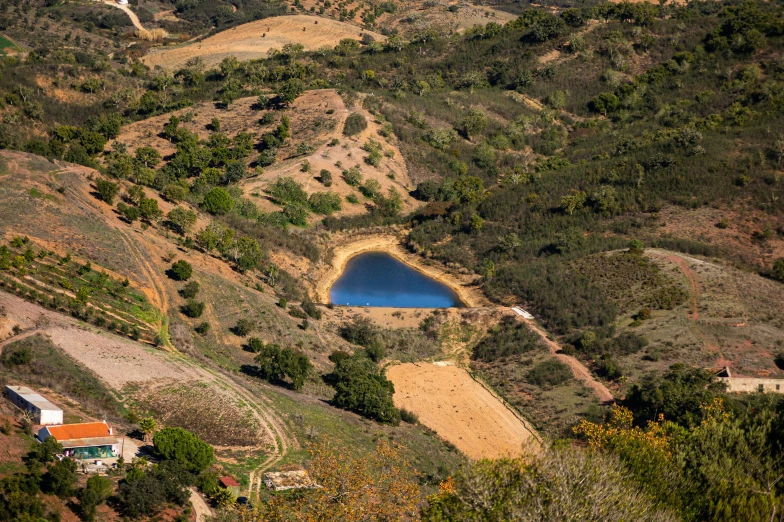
[{"x": 43, "y": 411}]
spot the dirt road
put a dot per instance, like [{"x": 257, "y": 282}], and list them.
[
  {"x": 462, "y": 411},
  {"x": 255, "y": 39},
  {"x": 580, "y": 372},
  {"x": 134, "y": 19},
  {"x": 200, "y": 507}
]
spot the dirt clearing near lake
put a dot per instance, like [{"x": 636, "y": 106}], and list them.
[
  {"x": 252, "y": 41},
  {"x": 462, "y": 411}
]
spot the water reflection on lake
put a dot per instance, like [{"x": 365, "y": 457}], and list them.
[{"x": 378, "y": 279}]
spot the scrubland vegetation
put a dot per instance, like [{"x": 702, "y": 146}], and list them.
[{"x": 543, "y": 153}]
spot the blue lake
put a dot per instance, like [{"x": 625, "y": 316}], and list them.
[{"x": 378, "y": 279}]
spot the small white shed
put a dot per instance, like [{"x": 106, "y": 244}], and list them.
[{"x": 43, "y": 411}]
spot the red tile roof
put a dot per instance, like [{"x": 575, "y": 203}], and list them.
[
  {"x": 228, "y": 482},
  {"x": 85, "y": 430}
]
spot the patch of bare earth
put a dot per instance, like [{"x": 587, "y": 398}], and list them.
[
  {"x": 254, "y": 40},
  {"x": 461, "y": 410},
  {"x": 742, "y": 237}
]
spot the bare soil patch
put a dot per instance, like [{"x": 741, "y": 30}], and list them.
[
  {"x": 740, "y": 237},
  {"x": 461, "y": 410},
  {"x": 246, "y": 42}
]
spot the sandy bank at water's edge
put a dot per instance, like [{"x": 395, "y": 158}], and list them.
[{"x": 463, "y": 286}]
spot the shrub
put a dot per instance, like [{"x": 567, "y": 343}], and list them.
[
  {"x": 193, "y": 309},
  {"x": 325, "y": 202},
  {"x": 17, "y": 356},
  {"x": 408, "y": 416},
  {"x": 203, "y": 328},
  {"x": 276, "y": 363},
  {"x": 325, "y": 177},
  {"x": 549, "y": 373},
  {"x": 355, "y": 123},
  {"x": 509, "y": 338},
  {"x": 254, "y": 345},
  {"x": 243, "y": 327},
  {"x": 174, "y": 193},
  {"x": 127, "y": 212},
  {"x": 360, "y": 330},
  {"x": 778, "y": 269},
  {"x": 183, "y": 447},
  {"x": 106, "y": 190},
  {"x": 217, "y": 201},
  {"x": 181, "y": 271},
  {"x": 190, "y": 290}
]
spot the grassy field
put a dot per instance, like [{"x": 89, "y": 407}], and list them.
[{"x": 6, "y": 45}]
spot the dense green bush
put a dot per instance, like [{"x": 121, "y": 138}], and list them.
[
  {"x": 217, "y": 201},
  {"x": 183, "y": 447},
  {"x": 355, "y": 123},
  {"x": 549, "y": 373},
  {"x": 509, "y": 338},
  {"x": 360, "y": 387},
  {"x": 180, "y": 270},
  {"x": 276, "y": 364}
]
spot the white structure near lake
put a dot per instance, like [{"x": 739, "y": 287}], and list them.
[{"x": 43, "y": 411}]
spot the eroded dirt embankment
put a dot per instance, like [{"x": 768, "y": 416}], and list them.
[{"x": 464, "y": 286}]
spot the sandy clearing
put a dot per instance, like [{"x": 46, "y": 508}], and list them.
[
  {"x": 117, "y": 361},
  {"x": 461, "y": 410},
  {"x": 247, "y": 43},
  {"x": 469, "y": 294}
]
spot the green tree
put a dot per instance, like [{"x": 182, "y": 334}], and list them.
[
  {"x": 290, "y": 91},
  {"x": 678, "y": 395},
  {"x": 474, "y": 123},
  {"x": 193, "y": 308},
  {"x": 96, "y": 492},
  {"x": 275, "y": 364},
  {"x": 183, "y": 447},
  {"x": 148, "y": 427},
  {"x": 61, "y": 478},
  {"x": 148, "y": 207},
  {"x": 106, "y": 190},
  {"x": 360, "y": 387},
  {"x": 217, "y": 201},
  {"x": 182, "y": 219},
  {"x": 181, "y": 270}
]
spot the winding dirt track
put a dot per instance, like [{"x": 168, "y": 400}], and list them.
[
  {"x": 580, "y": 372},
  {"x": 134, "y": 19}
]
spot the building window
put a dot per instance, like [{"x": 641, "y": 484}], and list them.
[
  {"x": 761, "y": 388},
  {"x": 778, "y": 387}
]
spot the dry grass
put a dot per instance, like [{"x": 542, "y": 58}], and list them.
[{"x": 152, "y": 35}]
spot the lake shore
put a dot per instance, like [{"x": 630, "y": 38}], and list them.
[{"x": 466, "y": 290}]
